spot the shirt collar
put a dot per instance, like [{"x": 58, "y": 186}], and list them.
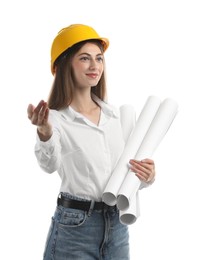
[{"x": 107, "y": 109}]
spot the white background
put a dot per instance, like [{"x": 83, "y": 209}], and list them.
[{"x": 156, "y": 48}]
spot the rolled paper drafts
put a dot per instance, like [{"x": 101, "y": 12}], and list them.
[
  {"x": 151, "y": 126},
  {"x": 158, "y": 128},
  {"x": 133, "y": 143},
  {"x": 130, "y": 215},
  {"x": 128, "y": 120}
]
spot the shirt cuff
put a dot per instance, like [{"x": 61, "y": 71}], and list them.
[{"x": 46, "y": 147}]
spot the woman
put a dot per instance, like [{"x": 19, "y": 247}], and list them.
[{"x": 79, "y": 135}]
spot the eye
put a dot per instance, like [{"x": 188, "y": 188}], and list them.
[
  {"x": 84, "y": 58},
  {"x": 100, "y": 59}
]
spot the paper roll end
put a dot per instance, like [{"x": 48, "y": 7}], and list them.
[
  {"x": 128, "y": 219},
  {"x": 122, "y": 202},
  {"x": 109, "y": 199}
]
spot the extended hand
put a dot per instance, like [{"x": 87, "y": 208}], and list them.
[{"x": 39, "y": 116}]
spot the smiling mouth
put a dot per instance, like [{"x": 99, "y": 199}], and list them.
[{"x": 91, "y": 75}]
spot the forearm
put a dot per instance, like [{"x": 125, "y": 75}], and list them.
[{"x": 48, "y": 153}]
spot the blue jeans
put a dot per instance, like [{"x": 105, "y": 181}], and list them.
[{"x": 76, "y": 235}]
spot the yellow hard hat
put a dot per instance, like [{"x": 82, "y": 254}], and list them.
[{"x": 71, "y": 35}]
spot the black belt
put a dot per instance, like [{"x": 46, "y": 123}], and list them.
[{"x": 82, "y": 205}]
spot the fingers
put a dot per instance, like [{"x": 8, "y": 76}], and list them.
[
  {"x": 144, "y": 170},
  {"x": 39, "y": 114},
  {"x": 46, "y": 114},
  {"x": 30, "y": 110}
]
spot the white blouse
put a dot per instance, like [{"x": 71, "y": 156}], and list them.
[{"x": 83, "y": 154}]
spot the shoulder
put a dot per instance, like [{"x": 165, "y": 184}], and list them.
[
  {"x": 58, "y": 117},
  {"x": 54, "y": 114}
]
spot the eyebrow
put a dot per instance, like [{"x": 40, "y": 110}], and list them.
[{"x": 85, "y": 53}]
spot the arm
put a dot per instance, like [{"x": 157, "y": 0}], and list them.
[{"x": 47, "y": 148}]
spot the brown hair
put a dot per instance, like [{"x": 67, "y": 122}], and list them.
[{"x": 61, "y": 93}]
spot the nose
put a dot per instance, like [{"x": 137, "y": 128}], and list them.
[{"x": 93, "y": 64}]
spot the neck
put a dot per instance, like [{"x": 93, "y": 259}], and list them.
[{"x": 83, "y": 102}]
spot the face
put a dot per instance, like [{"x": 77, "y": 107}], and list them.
[{"x": 87, "y": 65}]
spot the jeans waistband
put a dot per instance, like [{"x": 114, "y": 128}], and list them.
[{"x": 86, "y": 205}]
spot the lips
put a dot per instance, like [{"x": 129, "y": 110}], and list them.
[{"x": 92, "y": 75}]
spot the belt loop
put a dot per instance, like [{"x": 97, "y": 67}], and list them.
[
  {"x": 92, "y": 203},
  {"x": 105, "y": 208},
  {"x": 58, "y": 198}
]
